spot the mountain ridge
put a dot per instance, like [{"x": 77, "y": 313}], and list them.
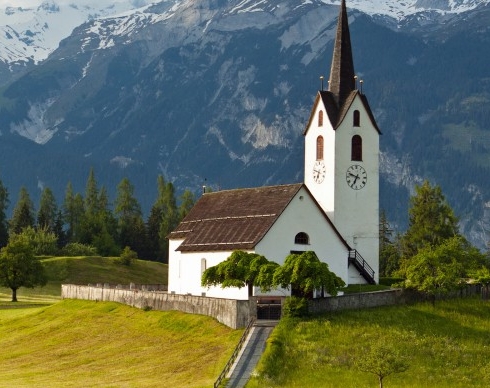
[{"x": 207, "y": 94}]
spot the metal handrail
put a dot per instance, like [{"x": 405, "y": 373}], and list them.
[
  {"x": 355, "y": 256},
  {"x": 235, "y": 353}
]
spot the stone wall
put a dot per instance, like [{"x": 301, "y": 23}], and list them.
[
  {"x": 357, "y": 301},
  {"x": 232, "y": 313}
]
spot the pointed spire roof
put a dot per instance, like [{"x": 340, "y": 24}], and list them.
[{"x": 342, "y": 80}]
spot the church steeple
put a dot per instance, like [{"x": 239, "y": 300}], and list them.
[{"x": 342, "y": 80}]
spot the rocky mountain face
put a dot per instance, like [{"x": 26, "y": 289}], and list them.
[{"x": 217, "y": 93}]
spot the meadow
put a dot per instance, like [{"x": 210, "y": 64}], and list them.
[
  {"x": 443, "y": 346},
  {"x": 49, "y": 342}
]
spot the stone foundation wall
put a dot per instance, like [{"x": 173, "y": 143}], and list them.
[{"x": 232, "y": 313}]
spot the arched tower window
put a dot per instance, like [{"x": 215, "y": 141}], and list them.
[
  {"x": 319, "y": 148},
  {"x": 320, "y": 118},
  {"x": 356, "y": 150},
  {"x": 357, "y": 119},
  {"x": 302, "y": 238}
]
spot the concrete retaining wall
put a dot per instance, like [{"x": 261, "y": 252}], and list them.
[
  {"x": 357, "y": 301},
  {"x": 232, "y": 313}
]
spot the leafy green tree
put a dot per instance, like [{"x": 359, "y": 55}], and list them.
[
  {"x": 19, "y": 267},
  {"x": 42, "y": 240},
  {"x": 431, "y": 220},
  {"x": 48, "y": 210},
  {"x": 437, "y": 270},
  {"x": 4, "y": 203},
  {"x": 127, "y": 257},
  {"x": 382, "y": 361},
  {"x": 240, "y": 269},
  {"x": 304, "y": 273},
  {"x": 23, "y": 214},
  {"x": 482, "y": 276}
]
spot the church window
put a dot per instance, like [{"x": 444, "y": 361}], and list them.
[
  {"x": 203, "y": 265},
  {"x": 356, "y": 150},
  {"x": 301, "y": 238},
  {"x": 319, "y": 148},
  {"x": 357, "y": 119},
  {"x": 320, "y": 118}
]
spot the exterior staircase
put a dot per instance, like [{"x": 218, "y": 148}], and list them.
[{"x": 362, "y": 266}]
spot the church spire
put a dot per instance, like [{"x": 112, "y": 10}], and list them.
[{"x": 342, "y": 80}]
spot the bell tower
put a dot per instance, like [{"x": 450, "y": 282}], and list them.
[{"x": 342, "y": 154}]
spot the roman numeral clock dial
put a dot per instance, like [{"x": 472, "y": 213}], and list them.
[{"x": 356, "y": 177}]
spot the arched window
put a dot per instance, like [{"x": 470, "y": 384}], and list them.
[
  {"x": 319, "y": 148},
  {"x": 357, "y": 119},
  {"x": 320, "y": 118},
  {"x": 356, "y": 150},
  {"x": 203, "y": 265},
  {"x": 301, "y": 238}
]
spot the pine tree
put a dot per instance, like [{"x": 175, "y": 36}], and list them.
[
  {"x": 48, "y": 210},
  {"x": 4, "y": 203},
  {"x": 23, "y": 214}
]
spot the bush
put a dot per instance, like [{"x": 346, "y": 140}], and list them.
[
  {"x": 127, "y": 257},
  {"x": 295, "y": 307},
  {"x": 78, "y": 249}
]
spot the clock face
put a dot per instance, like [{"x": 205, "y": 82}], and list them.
[
  {"x": 356, "y": 177},
  {"x": 319, "y": 171}
]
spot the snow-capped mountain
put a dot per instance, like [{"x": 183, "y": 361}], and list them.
[
  {"x": 31, "y": 29},
  {"x": 219, "y": 91}
]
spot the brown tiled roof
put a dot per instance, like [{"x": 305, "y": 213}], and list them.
[{"x": 233, "y": 219}]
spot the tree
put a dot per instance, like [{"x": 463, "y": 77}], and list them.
[
  {"x": 431, "y": 220},
  {"x": 304, "y": 273},
  {"x": 131, "y": 228},
  {"x": 187, "y": 201},
  {"x": 19, "y": 267},
  {"x": 48, "y": 210},
  {"x": 4, "y": 203},
  {"x": 23, "y": 214},
  {"x": 437, "y": 270},
  {"x": 389, "y": 256},
  {"x": 240, "y": 269},
  {"x": 381, "y": 361},
  {"x": 163, "y": 219},
  {"x": 73, "y": 210}
]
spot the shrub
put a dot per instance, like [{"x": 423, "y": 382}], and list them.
[
  {"x": 78, "y": 249},
  {"x": 127, "y": 257},
  {"x": 295, "y": 307}
]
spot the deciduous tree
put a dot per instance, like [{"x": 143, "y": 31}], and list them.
[
  {"x": 19, "y": 267},
  {"x": 381, "y": 361},
  {"x": 240, "y": 269},
  {"x": 304, "y": 273},
  {"x": 431, "y": 220}
]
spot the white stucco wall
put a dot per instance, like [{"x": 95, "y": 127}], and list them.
[
  {"x": 301, "y": 215},
  {"x": 357, "y": 211}
]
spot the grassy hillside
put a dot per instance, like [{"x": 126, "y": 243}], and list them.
[
  {"x": 444, "y": 346},
  {"x": 85, "y": 270},
  {"x": 89, "y": 344}
]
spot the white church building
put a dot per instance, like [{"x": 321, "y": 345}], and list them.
[{"x": 334, "y": 213}]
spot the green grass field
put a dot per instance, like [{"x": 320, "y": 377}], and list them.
[
  {"x": 88, "y": 344},
  {"x": 47, "y": 342},
  {"x": 445, "y": 346}
]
